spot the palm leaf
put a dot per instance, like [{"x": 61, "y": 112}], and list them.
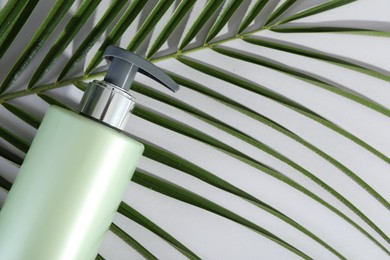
[{"x": 196, "y": 66}]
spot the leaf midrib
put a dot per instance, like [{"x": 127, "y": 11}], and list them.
[{"x": 53, "y": 85}]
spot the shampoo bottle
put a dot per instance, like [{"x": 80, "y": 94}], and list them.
[{"x": 76, "y": 171}]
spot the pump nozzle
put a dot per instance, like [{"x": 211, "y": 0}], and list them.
[
  {"x": 109, "y": 100},
  {"x": 124, "y": 66}
]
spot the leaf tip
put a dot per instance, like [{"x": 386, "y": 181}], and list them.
[
  {"x": 32, "y": 82},
  {"x": 60, "y": 77}
]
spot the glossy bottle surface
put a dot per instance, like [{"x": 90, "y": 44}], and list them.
[{"x": 67, "y": 190}]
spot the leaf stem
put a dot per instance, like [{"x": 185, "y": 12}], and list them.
[
  {"x": 54, "y": 85},
  {"x": 49, "y": 86}
]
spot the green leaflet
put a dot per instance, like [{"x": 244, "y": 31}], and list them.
[
  {"x": 22, "y": 114},
  {"x": 301, "y": 50},
  {"x": 10, "y": 156},
  {"x": 80, "y": 85},
  {"x": 9, "y": 33},
  {"x": 5, "y": 184},
  {"x": 131, "y": 242},
  {"x": 279, "y": 11},
  {"x": 84, "y": 11},
  {"x": 210, "y": 8},
  {"x": 57, "y": 13},
  {"x": 228, "y": 11},
  {"x": 5, "y": 11},
  {"x": 115, "y": 7},
  {"x": 52, "y": 101},
  {"x": 239, "y": 81},
  {"x": 177, "y": 17},
  {"x": 332, "y": 4},
  {"x": 314, "y": 29},
  {"x": 288, "y": 70},
  {"x": 134, "y": 215},
  {"x": 253, "y": 13},
  {"x": 14, "y": 139},
  {"x": 316, "y": 9},
  {"x": 99, "y": 257},
  {"x": 126, "y": 20},
  {"x": 196, "y": 200},
  {"x": 9, "y": 15},
  {"x": 374, "y": 33},
  {"x": 149, "y": 24}
]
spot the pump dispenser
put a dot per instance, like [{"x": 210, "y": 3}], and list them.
[
  {"x": 76, "y": 171},
  {"x": 109, "y": 100}
]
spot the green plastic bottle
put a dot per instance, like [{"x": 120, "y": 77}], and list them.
[{"x": 76, "y": 171}]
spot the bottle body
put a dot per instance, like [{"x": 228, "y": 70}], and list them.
[{"x": 67, "y": 190}]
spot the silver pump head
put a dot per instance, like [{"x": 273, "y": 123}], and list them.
[{"x": 109, "y": 100}]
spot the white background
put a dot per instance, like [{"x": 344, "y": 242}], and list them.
[{"x": 209, "y": 235}]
